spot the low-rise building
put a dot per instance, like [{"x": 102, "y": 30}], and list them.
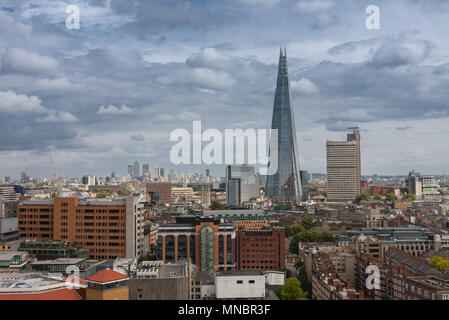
[{"x": 248, "y": 284}]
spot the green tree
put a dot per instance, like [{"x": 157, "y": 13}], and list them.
[
  {"x": 440, "y": 263},
  {"x": 288, "y": 272},
  {"x": 104, "y": 193},
  {"x": 360, "y": 197},
  {"x": 309, "y": 236},
  {"x": 390, "y": 197},
  {"x": 216, "y": 205},
  {"x": 377, "y": 197},
  {"x": 410, "y": 196},
  {"x": 190, "y": 210},
  {"x": 291, "y": 290},
  {"x": 307, "y": 222},
  {"x": 124, "y": 193},
  {"x": 306, "y": 285}
]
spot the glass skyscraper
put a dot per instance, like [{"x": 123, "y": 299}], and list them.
[{"x": 285, "y": 187}]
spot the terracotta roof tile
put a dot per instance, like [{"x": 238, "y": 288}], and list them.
[{"x": 107, "y": 276}]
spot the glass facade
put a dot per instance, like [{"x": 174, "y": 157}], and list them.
[
  {"x": 192, "y": 249},
  {"x": 182, "y": 247},
  {"x": 228, "y": 249},
  {"x": 220, "y": 249},
  {"x": 285, "y": 185},
  {"x": 159, "y": 247},
  {"x": 169, "y": 248},
  {"x": 207, "y": 249}
]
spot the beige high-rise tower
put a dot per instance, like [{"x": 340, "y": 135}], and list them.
[{"x": 343, "y": 167}]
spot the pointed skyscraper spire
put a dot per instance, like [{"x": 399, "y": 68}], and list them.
[{"x": 285, "y": 185}]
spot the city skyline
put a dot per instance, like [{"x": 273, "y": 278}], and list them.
[{"x": 74, "y": 98}]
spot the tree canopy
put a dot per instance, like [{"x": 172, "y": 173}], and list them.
[
  {"x": 307, "y": 222},
  {"x": 361, "y": 197},
  {"x": 391, "y": 197},
  {"x": 440, "y": 263},
  {"x": 309, "y": 236},
  {"x": 410, "y": 196},
  {"x": 216, "y": 205},
  {"x": 291, "y": 290}
]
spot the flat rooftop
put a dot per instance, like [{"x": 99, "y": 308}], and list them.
[{"x": 239, "y": 273}]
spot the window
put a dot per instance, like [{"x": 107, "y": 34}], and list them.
[
  {"x": 239, "y": 281},
  {"x": 445, "y": 296},
  {"x": 252, "y": 281}
]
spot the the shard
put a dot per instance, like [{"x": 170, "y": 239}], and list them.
[{"x": 285, "y": 187}]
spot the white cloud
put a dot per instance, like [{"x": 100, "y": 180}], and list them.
[
  {"x": 19, "y": 60},
  {"x": 58, "y": 84},
  {"x": 183, "y": 116},
  {"x": 111, "y": 109},
  {"x": 58, "y": 116},
  {"x": 209, "y": 57},
  {"x": 312, "y": 6},
  {"x": 304, "y": 86},
  {"x": 12, "y": 102},
  {"x": 265, "y": 3},
  {"x": 209, "y": 78}
]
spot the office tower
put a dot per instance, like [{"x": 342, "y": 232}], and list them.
[
  {"x": 161, "y": 173},
  {"x": 88, "y": 180},
  {"x": 86, "y": 223},
  {"x": 241, "y": 185},
  {"x": 130, "y": 169},
  {"x": 171, "y": 176},
  {"x": 24, "y": 178},
  {"x": 355, "y": 136},
  {"x": 136, "y": 169},
  {"x": 305, "y": 183},
  {"x": 414, "y": 183},
  {"x": 207, "y": 172},
  {"x": 207, "y": 242},
  {"x": 285, "y": 185},
  {"x": 145, "y": 168},
  {"x": 7, "y": 179},
  {"x": 156, "y": 173},
  {"x": 113, "y": 175},
  {"x": 343, "y": 168}
]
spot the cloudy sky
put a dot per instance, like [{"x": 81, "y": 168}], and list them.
[{"x": 92, "y": 100}]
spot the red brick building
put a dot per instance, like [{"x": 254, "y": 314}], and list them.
[{"x": 260, "y": 249}]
